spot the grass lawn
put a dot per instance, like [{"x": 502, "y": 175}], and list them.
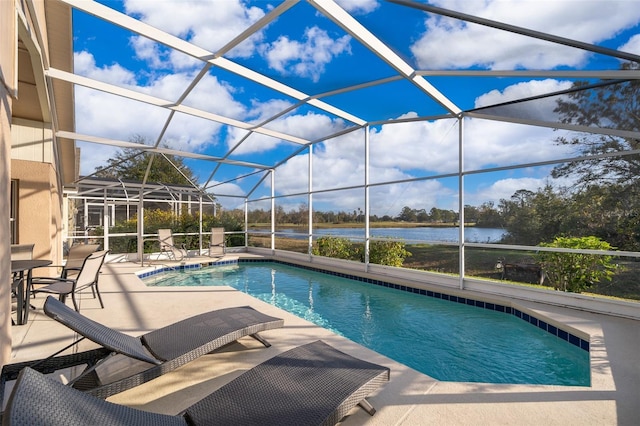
[{"x": 481, "y": 263}]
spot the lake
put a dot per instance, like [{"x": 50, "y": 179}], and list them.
[{"x": 446, "y": 234}]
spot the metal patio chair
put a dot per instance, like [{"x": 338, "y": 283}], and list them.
[
  {"x": 86, "y": 278},
  {"x": 75, "y": 258},
  {"x": 167, "y": 245},
  {"x": 217, "y": 243}
]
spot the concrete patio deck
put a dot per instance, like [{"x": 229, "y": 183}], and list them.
[{"x": 410, "y": 398}]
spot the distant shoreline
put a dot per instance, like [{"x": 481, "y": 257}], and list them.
[{"x": 361, "y": 225}]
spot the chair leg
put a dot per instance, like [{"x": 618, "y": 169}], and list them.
[
  {"x": 99, "y": 297},
  {"x": 75, "y": 303}
]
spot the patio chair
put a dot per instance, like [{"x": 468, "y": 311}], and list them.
[
  {"x": 313, "y": 384},
  {"x": 165, "y": 237},
  {"x": 217, "y": 243},
  {"x": 161, "y": 351},
  {"x": 87, "y": 278},
  {"x": 75, "y": 258}
]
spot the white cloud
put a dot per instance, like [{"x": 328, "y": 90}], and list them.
[
  {"x": 225, "y": 194},
  {"x": 208, "y": 24},
  {"x": 94, "y": 155},
  {"x": 632, "y": 46},
  {"x": 491, "y": 143},
  {"x": 504, "y": 189},
  {"x": 84, "y": 64},
  {"x": 256, "y": 143},
  {"x": 421, "y": 145},
  {"x": 309, "y": 126},
  {"x": 338, "y": 172},
  {"x": 307, "y": 58},
  {"x": 339, "y": 163},
  {"x": 212, "y": 24},
  {"x": 405, "y": 150},
  {"x": 525, "y": 90},
  {"x": 191, "y": 134},
  {"x": 149, "y": 51},
  {"x": 261, "y": 111},
  {"x": 109, "y": 116},
  {"x": 358, "y": 6},
  {"x": 215, "y": 96},
  {"x": 450, "y": 43}
]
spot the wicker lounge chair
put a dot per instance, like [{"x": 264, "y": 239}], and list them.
[
  {"x": 160, "y": 351},
  {"x": 313, "y": 384}
]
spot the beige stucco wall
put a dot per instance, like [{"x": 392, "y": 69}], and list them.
[
  {"x": 39, "y": 208},
  {"x": 5, "y": 230},
  {"x": 7, "y": 82},
  {"x": 26, "y": 148}
]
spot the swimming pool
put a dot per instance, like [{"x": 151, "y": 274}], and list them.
[{"x": 441, "y": 338}]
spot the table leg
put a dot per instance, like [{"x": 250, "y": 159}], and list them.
[
  {"x": 27, "y": 296},
  {"x": 20, "y": 297}
]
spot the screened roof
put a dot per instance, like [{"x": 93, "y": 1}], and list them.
[{"x": 240, "y": 88}]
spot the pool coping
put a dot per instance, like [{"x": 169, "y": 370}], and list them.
[{"x": 539, "y": 320}]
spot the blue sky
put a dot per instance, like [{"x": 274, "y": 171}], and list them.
[{"x": 309, "y": 52}]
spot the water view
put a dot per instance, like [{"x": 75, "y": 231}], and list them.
[{"x": 445, "y": 234}]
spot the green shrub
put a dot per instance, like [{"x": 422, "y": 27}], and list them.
[
  {"x": 336, "y": 247},
  {"x": 390, "y": 253},
  {"x": 576, "y": 272}
]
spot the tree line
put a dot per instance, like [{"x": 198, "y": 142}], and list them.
[{"x": 609, "y": 212}]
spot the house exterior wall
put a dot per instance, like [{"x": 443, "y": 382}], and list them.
[
  {"x": 31, "y": 141},
  {"x": 8, "y": 57},
  {"x": 5, "y": 230},
  {"x": 39, "y": 199},
  {"x": 27, "y": 151},
  {"x": 39, "y": 194}
]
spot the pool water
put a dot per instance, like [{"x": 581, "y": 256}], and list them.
[{"x": 445, "y": 340}]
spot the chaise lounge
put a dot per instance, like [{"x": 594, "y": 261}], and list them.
[
  {"x": 161, "y": 351},
  {"x": 313, "y": 384}
]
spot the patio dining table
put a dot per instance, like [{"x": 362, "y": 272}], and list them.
[{"x": 23, "y": 288}]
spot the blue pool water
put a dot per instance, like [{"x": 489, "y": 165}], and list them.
[{"x": 445, "y": 340}]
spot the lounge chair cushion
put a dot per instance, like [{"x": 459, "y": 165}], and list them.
[
  {"x": 227, "y": 325},
  {"x": 313, "y": 384}
]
